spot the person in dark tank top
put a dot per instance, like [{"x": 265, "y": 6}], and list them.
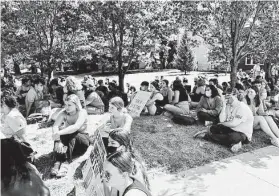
[{"x": 180, "y": 104}]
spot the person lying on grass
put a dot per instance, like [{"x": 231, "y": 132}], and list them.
[
  {"x": 13, "y": 124},
  {"x": 120, "y": 140},
  {"x": 18, "y": 176},
  {"x": 210, "y": 105},
  {"x": 119, "y": 118},
  {"x": 236, "y": 126},
  {"x": 118, "y": 170},
  {"x": 70, "y": 135}
]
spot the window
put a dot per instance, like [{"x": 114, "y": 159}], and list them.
[{"x": 248, "y": 60}]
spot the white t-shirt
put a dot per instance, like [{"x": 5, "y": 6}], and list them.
[
  {"x": 13, "y": 122},
  {"x": 242, "y": 112}
]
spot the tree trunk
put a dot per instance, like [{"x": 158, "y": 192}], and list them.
[
  {"x": 42, "y": 69},
  {"x": 49, "y": 74},
  {"x": 121, "y": 82},
  {"x": 17, "y": 68},
  {"x": 185, "y": 71},
  {"x": 234, "y": 65}
]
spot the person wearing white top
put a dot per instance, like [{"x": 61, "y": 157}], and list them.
[
  {"x": 256, "y": 70},
  {"x": 236, "y": 126}
]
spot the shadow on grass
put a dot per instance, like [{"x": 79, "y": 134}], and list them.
[
  {"x": 44, "y": 164},
  {"x": 175, "y": 148}
]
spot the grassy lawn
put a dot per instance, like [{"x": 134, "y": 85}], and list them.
[{"x": 175, "y": 148}]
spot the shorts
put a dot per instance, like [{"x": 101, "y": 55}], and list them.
[{"x": 184, "y": 106}]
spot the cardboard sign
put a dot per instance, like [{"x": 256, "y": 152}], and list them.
[
  {"x": 93, "y": 168},
  {"x": 138, "y": 103}
]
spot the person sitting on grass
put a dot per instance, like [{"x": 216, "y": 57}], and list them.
[
  {"x": 236, "y": 126},
  {"x": 34, "y": 96},
  {"x": 118, "y": 170},
  {"x": 210, "y": 105},
  {"x": 261, "y": 119},
  {"x": 180, "y": 104},
  {"x": 120, "y": 140},
  {"x": 70, "y": 135},
  {"x": 57, "y": 93},
  {"x": 119, "y": 118},
  {"x": 198, "y": 90},
  {"x": 18, "y": 176},
  {"x": 225, "y": 87},
  {"x": 73, "y": 86},
  {"x": 166, "y": 92},
  {"x": 152, "y": 105},
  {"x": 94, "y": 103},
  {"x": 102, "y": 87},
  {"x": 23, "y": 90},
  {"x": 13, "y": 122},
  {"x": 132, "y": 93},
  {"x": 144, "y": 86},
  {"x": 186, "y": 85}
]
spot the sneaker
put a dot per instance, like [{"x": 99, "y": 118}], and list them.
[
  {"x": 236, "y": 147},
  {"x": 275, "y": 142},
  {"x": 200, "y": 134}
]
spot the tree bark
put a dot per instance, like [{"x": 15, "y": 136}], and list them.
[{"x": 120, "y": 63}]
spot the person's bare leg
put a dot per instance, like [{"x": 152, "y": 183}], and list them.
[
  {"x": 152, "y": 109},
  {"x": 272, "y": 125},
  {"x": 93, "y": 111},
  {"x": 173, "y": 109},
  {"x": 261, "y": 122}
]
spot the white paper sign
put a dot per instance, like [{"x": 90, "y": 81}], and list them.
[{"x": 138, "y": 103}]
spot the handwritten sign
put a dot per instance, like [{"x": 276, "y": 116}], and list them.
[
  {"x": 93, "y": 168},
  {"x": 138, "y": 103}
]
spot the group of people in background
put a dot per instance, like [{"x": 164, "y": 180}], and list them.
[
  {"x": 69, "y": 103},
  {"x": 230, "y": 114}
]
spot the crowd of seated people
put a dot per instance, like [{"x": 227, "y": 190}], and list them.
[{"x": 233, "y": 112}]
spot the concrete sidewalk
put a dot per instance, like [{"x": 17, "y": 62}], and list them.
[{"x": 255, "y": 173}]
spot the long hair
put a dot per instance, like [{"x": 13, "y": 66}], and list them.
[
  {"x": 122, "y": 160},
  {"x": 74, "y": 99},
  {"x": 9, "y": 100},
  {"x": 123, "y": 138},
  {"x": 13, "y": 166},
  {"x": 214, "y": 91},
  {"x": 177, "y": 85},
  {"x": 256, "y": 99}
]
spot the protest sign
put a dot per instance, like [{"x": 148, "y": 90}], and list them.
[
  {"x": 93, "y": 168},
  {"x": 138, "y": 103}
]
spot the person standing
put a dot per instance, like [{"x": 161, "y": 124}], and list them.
[{"x": 256, "y": 70}]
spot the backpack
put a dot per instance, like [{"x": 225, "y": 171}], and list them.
[{"x": 183, "y": 120}]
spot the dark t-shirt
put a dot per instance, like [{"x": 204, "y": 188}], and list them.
[
  {"x": 103, "y": 89},
  {"x": 137, "y": 185}
]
